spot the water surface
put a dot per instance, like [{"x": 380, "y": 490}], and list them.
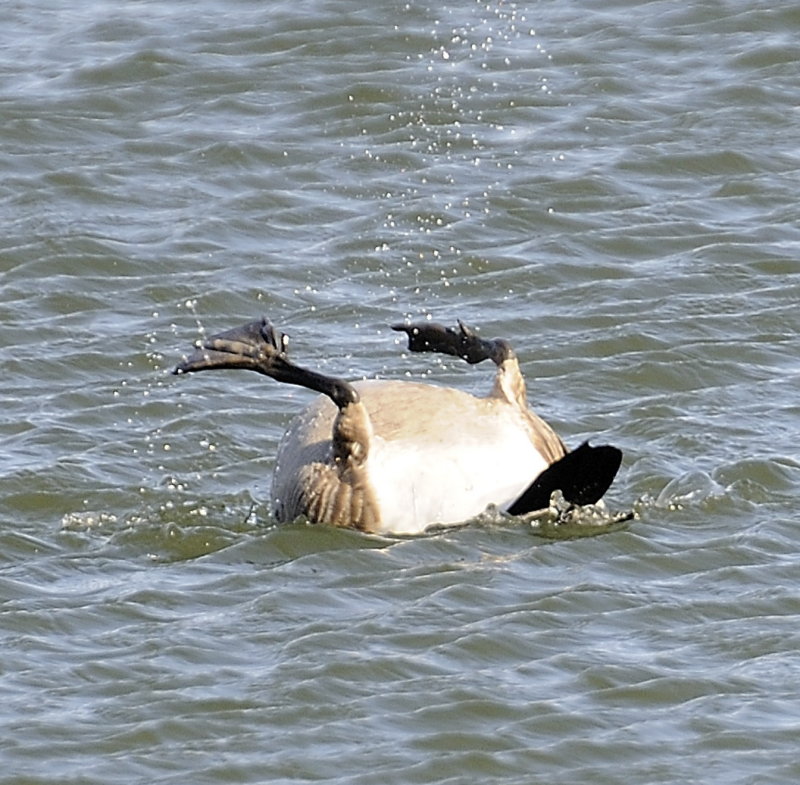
[{"x": 612, "y": 187}]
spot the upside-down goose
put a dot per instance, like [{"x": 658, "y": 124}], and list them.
[{"x": 395, "y": 457}]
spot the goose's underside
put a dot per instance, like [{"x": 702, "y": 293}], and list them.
[{"x": 436, "y": 455}]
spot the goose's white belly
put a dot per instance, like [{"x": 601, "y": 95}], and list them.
[
  {"x": 436, "y": 456},
  {"x": 417, "y": 485}
]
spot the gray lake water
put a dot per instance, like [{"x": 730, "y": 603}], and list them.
[{"x": 611, "y": 186}]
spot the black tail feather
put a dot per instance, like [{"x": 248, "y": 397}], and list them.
[{"x": 582, "y": 476}]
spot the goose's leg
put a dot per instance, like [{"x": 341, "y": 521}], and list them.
[
  {"x": 466, "y": 343},
  {"x": 257, "y": 346},
  {"x": 461, "y": 342}
]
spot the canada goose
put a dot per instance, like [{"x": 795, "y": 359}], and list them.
[{"x": 398, "y": 456}]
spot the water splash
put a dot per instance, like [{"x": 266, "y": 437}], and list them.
[
  {"x": 84, "y": 520},
  {"x": 190, "y": 305},
  {"x": 563, "y": 520}
]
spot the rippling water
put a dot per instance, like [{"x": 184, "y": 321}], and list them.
[{"x": 612, "y": 187}]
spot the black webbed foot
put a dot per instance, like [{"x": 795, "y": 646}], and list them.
[
  {"x": 258, "y": 346},
  {"x": 463, "y": 342},
  {"x": 255, "y": 346}
]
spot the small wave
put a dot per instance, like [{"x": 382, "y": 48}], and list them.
[
  {"x": 747, "y": 482},
  {"x": 690, "y": 488}
]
